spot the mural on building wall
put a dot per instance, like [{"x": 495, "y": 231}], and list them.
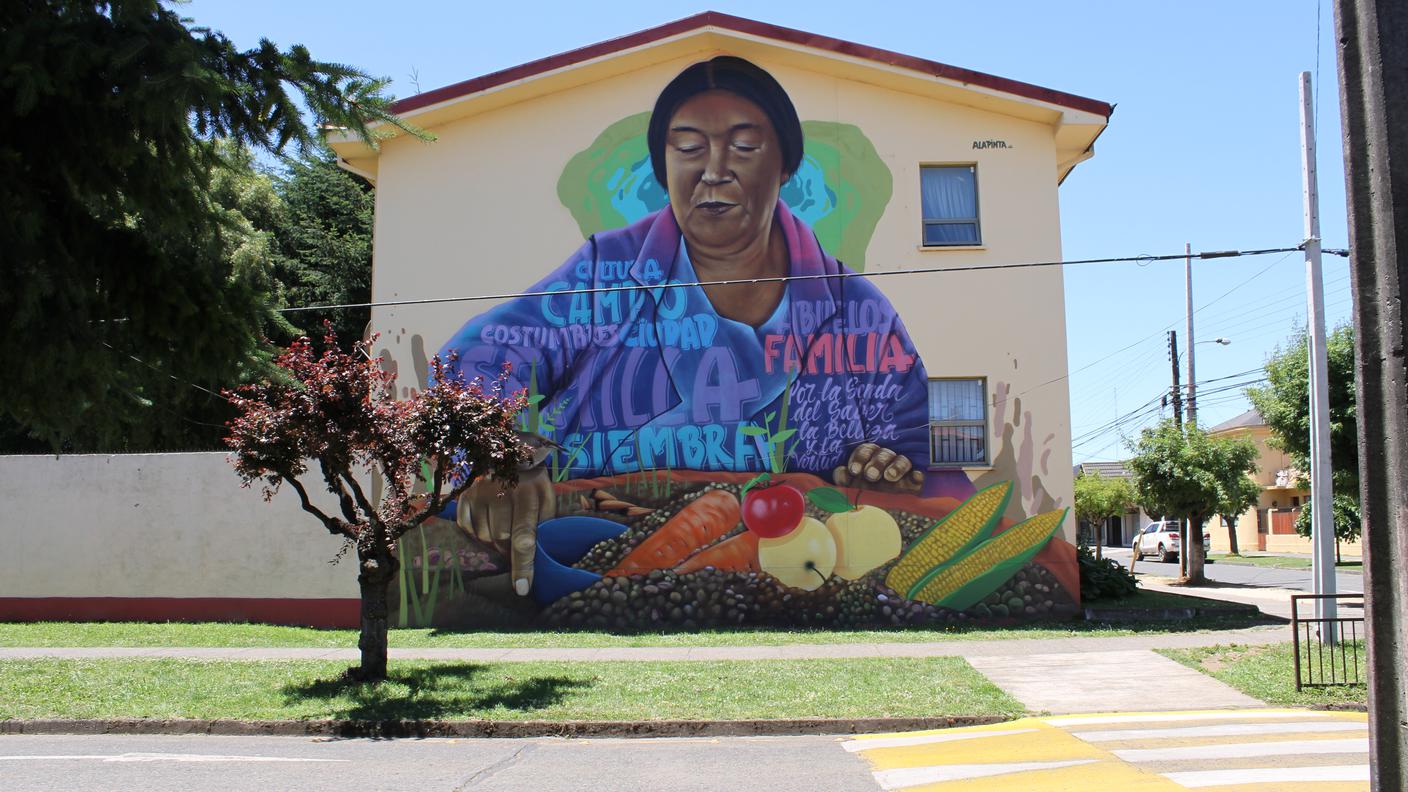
[
  {"x": 724, "y": 454},
  {"x": 611, "y": 184}
]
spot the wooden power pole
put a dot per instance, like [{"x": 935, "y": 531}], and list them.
[{"x": 1373, "y": 58}]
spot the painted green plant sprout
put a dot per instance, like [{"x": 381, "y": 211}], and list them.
[{"x": 775, "y": 437}]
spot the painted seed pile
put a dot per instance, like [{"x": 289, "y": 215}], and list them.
[{"x": 711, "y": 599}]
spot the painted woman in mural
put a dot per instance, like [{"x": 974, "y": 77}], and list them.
[{"x": 635, "y": 367}]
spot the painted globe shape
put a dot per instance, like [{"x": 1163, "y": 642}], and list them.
[
  {"x": 773, "y": 511},
  {"x": 802, "y": 559}
]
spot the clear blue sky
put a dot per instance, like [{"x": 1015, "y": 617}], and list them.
[{"x": 1204, "y": 146}]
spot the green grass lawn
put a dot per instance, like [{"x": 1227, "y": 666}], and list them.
[
  {"x": 1264, "y": 672},
  {"x": 899, "y": 687},
  {"x": 140, "y": 634},
  {"x": 1280, "y": 562}
]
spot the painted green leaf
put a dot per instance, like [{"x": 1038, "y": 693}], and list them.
[
  {"x": 761, "y": 478},
  {"x": 753, "y": 431},
  {"x": 986, "y": 583},
  {"x": 829, "y": 500},
  {"x": 783, "y": 435}
]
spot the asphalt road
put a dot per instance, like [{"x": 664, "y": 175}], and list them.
[
  {"x": 1231, "y": 749},
  {"x": 232, "y": 764},
  {"x": 1240, "y": 574}
]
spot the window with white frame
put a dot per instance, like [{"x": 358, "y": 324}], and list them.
[
  {"x": 958, "y": 422},
  {"x": 949, "y": 195}
]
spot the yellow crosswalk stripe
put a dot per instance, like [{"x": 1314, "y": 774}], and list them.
[{"x": 1212, "y": 751}]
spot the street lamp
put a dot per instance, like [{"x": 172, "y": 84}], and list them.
[{"x": 1192, "y": 385}]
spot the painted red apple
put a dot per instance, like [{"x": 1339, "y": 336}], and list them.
[{"x": 773, "y": 511}]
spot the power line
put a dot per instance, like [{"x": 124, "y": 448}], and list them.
[
  {"x": 1294, "y": 303},
  {"x": 1155, "y": 405},
  {"x": 1143, "y": 259},
  {"x": 1243, "y": 283},
  {"x": 166, "y": 374},
  {"x": 1149, "y": 357},
  {"x": 1161, "y": 331}
]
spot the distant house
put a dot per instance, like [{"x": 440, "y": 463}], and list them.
[
  {"x": 1117, "y": 531},
  {"x": 1270, "y": 524}
]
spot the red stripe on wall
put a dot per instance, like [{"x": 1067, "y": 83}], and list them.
[{"x": 288, "y": 611}]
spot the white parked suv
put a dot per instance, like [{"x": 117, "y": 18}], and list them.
[{"x": 1161, "y": 539}]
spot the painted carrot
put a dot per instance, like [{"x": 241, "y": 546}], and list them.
[
  {"x": 699, "y": 524},
  {"x": 734, "y": 554}
]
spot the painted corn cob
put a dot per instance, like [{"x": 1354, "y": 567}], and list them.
[
  {"x": 965, "y": 582},
  {"x": 959, "y": 531}
]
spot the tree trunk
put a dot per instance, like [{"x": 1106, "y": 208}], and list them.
[
  {"x": 1100, "y": 537},
  {"x": 1193, "y": 548},
  {"x": 1232, "y": 537},
  {"x": 378, "y": 569},
  {"x": 1183, "y": 534}
]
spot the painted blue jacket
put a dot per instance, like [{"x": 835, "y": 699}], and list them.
[{"x": 642, "y": 379}]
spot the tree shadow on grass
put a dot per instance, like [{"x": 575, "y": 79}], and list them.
[{"x": 434, "y": 692}]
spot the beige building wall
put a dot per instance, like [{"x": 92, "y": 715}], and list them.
[{"x": 477, "y": 213}]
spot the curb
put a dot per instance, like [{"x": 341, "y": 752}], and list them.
[
  {"x": 495, "y": 728},
  {"x": 1100, "y": 614},
  {"x": 1341, "y": 707}
]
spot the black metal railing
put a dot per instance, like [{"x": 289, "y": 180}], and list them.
[{"x": 1327, "y": 649}]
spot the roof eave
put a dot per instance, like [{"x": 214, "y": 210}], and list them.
[{"x": 1079, "y": 120}]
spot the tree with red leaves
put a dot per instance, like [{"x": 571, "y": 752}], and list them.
[{"x": 337, "y": 410}]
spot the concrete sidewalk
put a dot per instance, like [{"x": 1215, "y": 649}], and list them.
[
  {"x": 1269, "y": 600},
  {"x": 1100, "y": 681}
]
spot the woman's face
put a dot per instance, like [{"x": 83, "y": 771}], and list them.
[{"x": 723, "y": 163}]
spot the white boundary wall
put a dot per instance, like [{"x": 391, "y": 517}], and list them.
[{"x": 158, "y": 525}]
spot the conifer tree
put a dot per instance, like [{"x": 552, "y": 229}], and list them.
[{"x": 113, "y": 238}]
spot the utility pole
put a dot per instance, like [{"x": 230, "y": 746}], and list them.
[
  {"x": 1322, "y": 516},
  {"x": 1177, "y": 393},
  {"x": 1188, "y": 293},
  {"x": 1373, "y": 55}
]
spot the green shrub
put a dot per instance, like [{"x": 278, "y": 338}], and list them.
[{"x": 1102, "y": 578}]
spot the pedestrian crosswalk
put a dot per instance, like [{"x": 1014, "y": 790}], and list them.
[{"x": 1214, "y": 751}]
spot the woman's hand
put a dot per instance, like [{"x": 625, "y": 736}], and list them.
[
  {"x": 874, "y": 467},
  {"x": 506, "y": 519}
]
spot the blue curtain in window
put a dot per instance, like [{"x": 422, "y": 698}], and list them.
[{"x": 949, "y": 194}]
